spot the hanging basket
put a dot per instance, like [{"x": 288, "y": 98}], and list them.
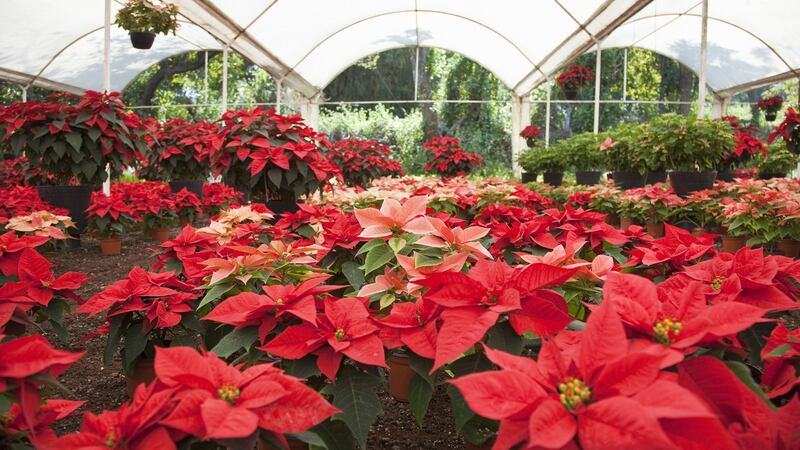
[
  {"x": 142, "y": 40},
  {"x": 770, "y": 116},
  {"x": 571, "y": 93}
]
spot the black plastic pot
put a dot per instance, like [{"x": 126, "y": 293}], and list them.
[
  {"x": 770, "y": 116},
  {"x": 655, "y": 177},
  {"x": 725, "y": 175},
  {"x": 195, "y": 187},
  {"x": 528, "y": 177},
  {"x": 628, "y": 179},
  {"x": 282, "y": 206},
  {"x": 770, "y": 175},
  {"x": 75, "y": 199},
  {"x": 142, "y": 40},
  {"x": 587, "y": 177},
  {"x": 570, "y": 94},
  {"x": 684, "y": 183},
  {"x": 553, "y": 178},
  {"x": 530, "y": 142}
]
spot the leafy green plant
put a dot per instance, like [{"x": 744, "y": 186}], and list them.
[
  {"x": 540, "y": 159},
  {"x": 623, "y": 151},
  {"x": 779, "y": 160},
  {"x": 142, "y": 15},
  {"x": 582, "y": 152},
  {"x": 687, "y": 143}
]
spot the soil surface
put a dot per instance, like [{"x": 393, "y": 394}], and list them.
[{"x": 103, "y": 386}]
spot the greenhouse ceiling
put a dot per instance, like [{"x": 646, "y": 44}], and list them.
[{"x": 307, "y": 43}]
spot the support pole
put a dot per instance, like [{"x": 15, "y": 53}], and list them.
[
  {"x": 547, "y": 114},
  {"x": 224, "y": 79},
  {"x": 598, "y": 66},
  {"x": 24, "y": 93},
  {"x": 107, "y": 77},
  {"x": 701, "y": 88},
  {"x": 520, "y": 118},
  {"x": 278, "y": 95},
  {"x": 205, "y": 79},
  {"x": 625, "y": 75},
  {"x": 416, "y": 75}
]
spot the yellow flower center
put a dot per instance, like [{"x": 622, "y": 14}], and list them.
[
  {"x": 111, "y": 439},
  {"x": 574, "y": 392},
  {"x": 717, "y": 283},
  {"x": 339, "y": 334},
  {"x": 279, "y": 301},
  {"x": 228, "y": 393},
  {"x": 666, "y": 330}
]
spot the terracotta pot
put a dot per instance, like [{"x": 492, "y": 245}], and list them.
[
  {"x": 655, "y": 229},
  {"x": 185, "y": 220},
  {"x": 625, "y": 222},
  {"x": 699, "y": 231},
  {"x": 111, "y": 246},
  {"x": 789, "y": 247},
  {"x": 294, "y": 444},
  {"x": 400, "y": 375},
  {"x": 733, "y": 243},
  {"x": 613, "y": 220},
  {"x": 159, "y": 235},
  {"x": 143, "y": 372}
]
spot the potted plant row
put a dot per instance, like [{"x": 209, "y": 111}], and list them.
[
  {"x": 583, "y": 156},
  {"x": 547, "y": 161}
]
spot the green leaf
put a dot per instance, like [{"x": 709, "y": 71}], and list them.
[
  {"x": 214, "y": 293},
  {"x": 422, "y": 366},
  {"x": 93, "y": 133},
  {"x": 386, "y": 300},
  {"x": 423, "y": 260},
  {"x": 74, "y": 139},
  {"x": 114, "y": 335},
  {"x": 461, "y": 412},
  {"x": 743, "y": 373},
  {"x": 503, "y": 337},
  {"x": 419, "y": 397},
  {"x": 369, "y": 246},
  {"x": 275, "y": 175},
  {"x": 5, "y": 404},
  {"x": 302, "y": 368},
  {"x": 377, "y": 257},
  {"x": 335, "y": 435},
  {"x": 476, "y": 362},
  {"x": 233, "y": 341},
  {"x": 135, "y": 343},
  {"x": 354, "y": 275},
  {"x": 59, "y": 148},
  {"x": 397, "y": 244},
  {"x": 354, "y": 394}
]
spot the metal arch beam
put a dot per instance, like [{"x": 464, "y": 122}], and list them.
[
  {"x": 582, "y": 47},
  {"x": 733, "y": 90},
  {"x": 207, "y": 16},
  {"x": 24, "y": 79},
  {"x": 794, "y": 71},
  {"x": 416, "y": 11}
]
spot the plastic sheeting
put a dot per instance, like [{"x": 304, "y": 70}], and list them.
[{"x": 306, "y": 43}]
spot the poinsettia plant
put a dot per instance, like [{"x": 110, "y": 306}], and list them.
[
  {"x": 74, "y": 143},
  {"x": 789, "y": 130},
  {"x": 770, "y": 104},
  {"x": 30, "y": 293},
  {"x": 448, "y": 158},
  {"x": 144, "y": 310},
  {"x": 575, "y": 77},
  {"x": 183, "y": 148},
  {"x": 109, "y": 216},
  {"x": 143, "y": 15},
  {"x": 362, "y": 161},
  {"x": 271, "y": 156}
]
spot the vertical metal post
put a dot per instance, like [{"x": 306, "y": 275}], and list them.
[
  {"x": 547, "y": 114},
  {"x": 625, "y": 74},
  {"x": 24, "y": 93},
  {"x": 225, "y": 79},
  {"x": 701, "y": 88},
  {"x": 278, "y": 95},
  {"x": 107, "y": 77},
  {"x": 205, "y": 79},
  {"x": 416, "y": 75},
  {"x": 597, "y": 70}
]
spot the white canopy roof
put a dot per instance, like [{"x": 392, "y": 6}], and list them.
[{"x": 306, "y": 43}]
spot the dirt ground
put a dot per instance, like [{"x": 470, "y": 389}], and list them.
[{"x": 104, "y": 386}]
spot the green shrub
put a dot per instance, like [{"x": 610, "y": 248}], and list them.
[
  {"x": 686, "y": 143},
  {"x": 778, "y": 160},
  {"x": 540, "y": 159},
  {"x": 623, "y": 151},
  {"x": 582, "y": 152}
]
